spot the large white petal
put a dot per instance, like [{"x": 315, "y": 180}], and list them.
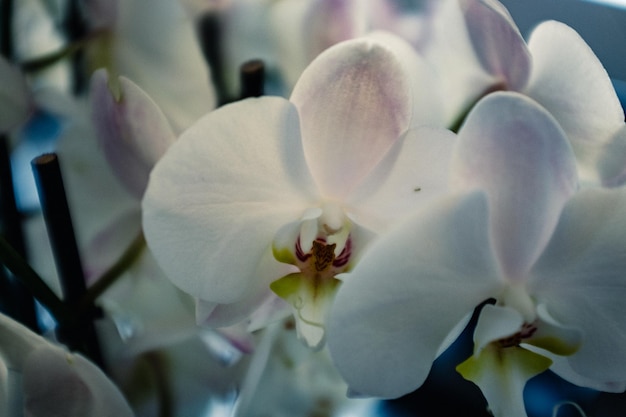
[
  {"x": 220, "y": 193},
  {"x": 408, "y": 292},
  {"x": 569, "y": 81},
  {"x": 413, "y": 172},
  {"x": 580, "y": 278},
  {"x": 131, "y": 129},
  {"x": 514, "y": 150},
  {"x": 354, "y": 101}
]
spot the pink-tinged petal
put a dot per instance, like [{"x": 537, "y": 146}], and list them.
[
  {"x": 497, "y": 42},
  {"x": 571, "y": 83},
  {"x": 512, "y": 148},
  {"x": 354, "y": 103},
  {"x": 57, "y": 383},
  {"x": 580, "y": 279},
  {"x": 412, "y": 173},
  {"x": 15, "y": 98},
  {"x": 131, "y": 129},
  {"x": 220, "y": 193},
  {"x": 410, "y": 289}
]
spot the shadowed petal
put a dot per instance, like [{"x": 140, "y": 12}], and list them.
[
  {"x": 580, "y": 278},
  {"x": 514, "y": 150},
  {"x": 57, "y": 383},
  {"x": 354, "y": 102},
  {"x": 498, "y": 43},
  {"x": 571, "y": 83},
  {"x": 220, "y": 193},
  {"x": 131, "y": 129},
  {"x": 411, "y": 288}
]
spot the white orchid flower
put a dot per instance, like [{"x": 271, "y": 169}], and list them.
[
  {"x": 520, "y": 233},
  {"x": 287, "y": 193}
]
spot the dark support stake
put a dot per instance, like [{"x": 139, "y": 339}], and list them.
[
  {"x": 15, "y": 300},
  {"x": 80, "y": 334},
  {"x": 210, "y": 38},
  {"x": 6, "y": 29},
  {"x": 76, "y": 30},
  {"x": 252, "y": 76}
]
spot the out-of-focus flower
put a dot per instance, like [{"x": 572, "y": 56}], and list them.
[
  {"x": 519, "y": 233},
  {"x": 38, "y": 378},
  {"x": 15, "y": 98},
  {"x": 154, "y": 44},
  {"x": 285, "y": 379},
  {"x": 270, "y": 188}
]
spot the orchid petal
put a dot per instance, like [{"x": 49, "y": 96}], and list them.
[
  {"x": 131, "y": 129},
  {"x": 514, "y": 150},
  {"x": 497, "y": 42},
  {"x": 412, "y": 173},
  {"x": 15, "y": 99},
  {"x": 59, "y": 383},
  {"x": 571, "y": 83},
  {"x": 553, "y": 336},
  {"x": 382, "y": 332},
  {"x": 580, "y": 280},
  {"x": 561, "y": 367},
  {"x": 260, "y": 306},
  {"x": 354, "y": 103},
  {"x": 224, "y": 189},
  {"x": 501, "y": 374}
]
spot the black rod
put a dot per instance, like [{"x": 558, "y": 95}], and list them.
[
  {"x": 80, "y": 334},
  {"x": 252, "y": 77}
]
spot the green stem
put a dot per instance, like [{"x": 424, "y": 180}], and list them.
[
  {"x": 33, "y": 282},
  {"x": 47, "y": 60},
  {"x": 128, "y": 258}
]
